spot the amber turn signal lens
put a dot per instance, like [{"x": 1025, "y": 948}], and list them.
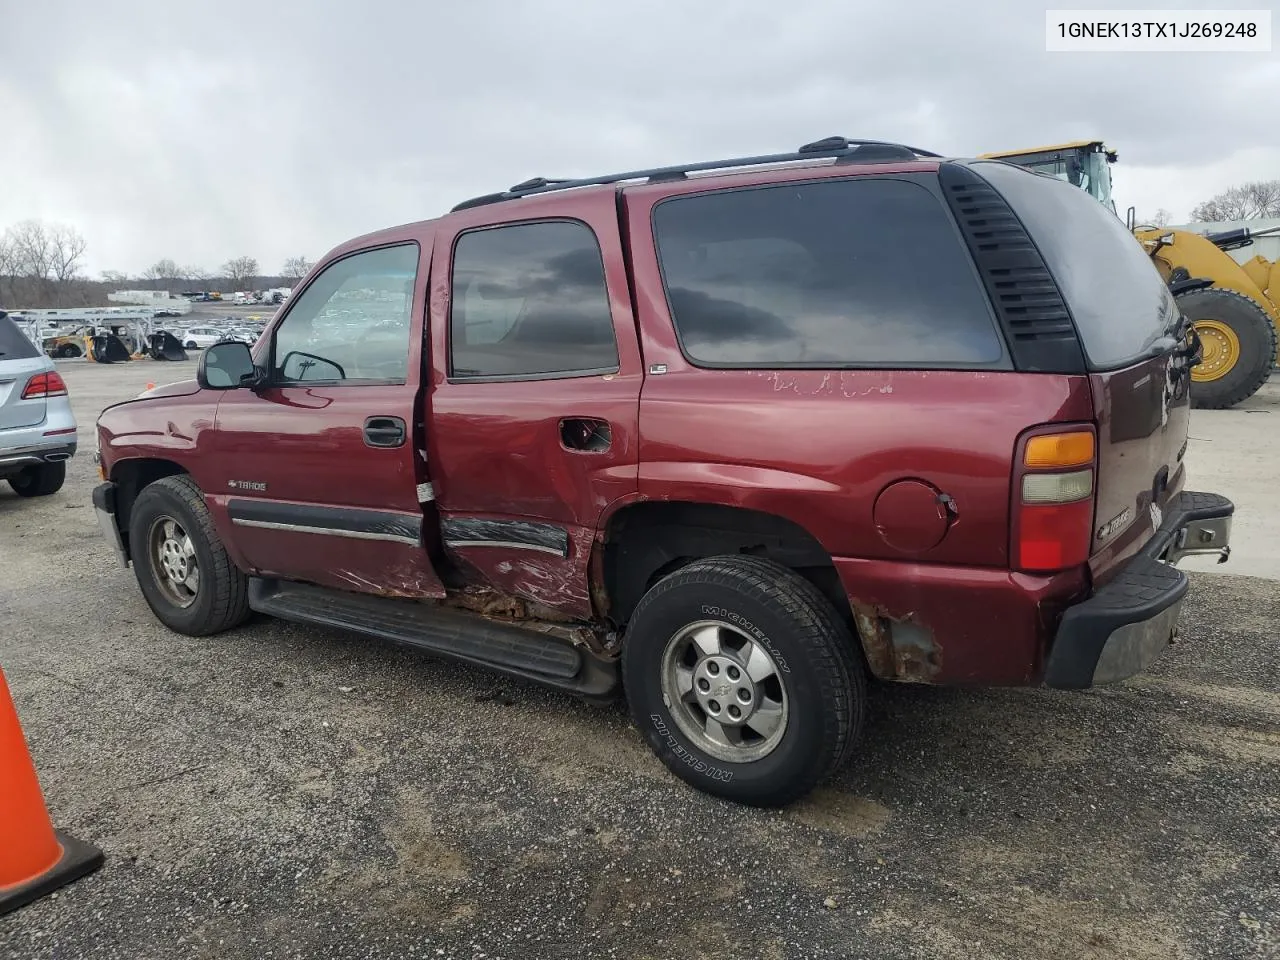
[{"x": 1059, "y": 450}]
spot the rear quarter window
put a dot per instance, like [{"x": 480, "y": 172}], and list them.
[
  {"x": 1119, "y": 302},
  {"x": 828, "y": 273},
  {"x": 14, "y": 344}
]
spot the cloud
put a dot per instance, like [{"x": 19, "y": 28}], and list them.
[{"x": 206, "y": 131}]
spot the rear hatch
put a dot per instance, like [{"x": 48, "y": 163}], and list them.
[
  {"x": 1130, "y": 331},
  {"x": 20, "y": 360}
]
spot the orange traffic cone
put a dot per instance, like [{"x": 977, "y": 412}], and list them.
[{"x": 35, "y": 859}]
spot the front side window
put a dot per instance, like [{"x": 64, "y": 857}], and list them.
[
  {"x": 352, "y": 323},
  {"x": 825, "y": 273},
  {"x": 530, "y": 300}
]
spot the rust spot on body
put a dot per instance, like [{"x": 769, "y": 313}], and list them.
[
  {"x": 530, "y": 615},
  {"x": 897, "y": 647}
]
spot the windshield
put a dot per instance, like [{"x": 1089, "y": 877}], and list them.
[
  {"x": 1096, "y": 176},
  {"x": 1088, "y": 171}
]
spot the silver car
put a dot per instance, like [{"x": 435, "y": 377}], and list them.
[{"x": 37, "y": 428}]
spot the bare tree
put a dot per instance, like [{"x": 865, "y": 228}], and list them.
[
  {"x": 241, "y": 272},
  {"x": 66, "y": 248},
  {"x": 295, "y": 268},
  {"x": 8, "y": 255},
  {"x": 162, "y": 271},
  {"x": 1160, "y": 219},
  {"x": 1248, "y": 201},
  {"x": 118, "y": 277},
  {"x": 32, "y": 250},
  {"x": 8, "y": 267}
]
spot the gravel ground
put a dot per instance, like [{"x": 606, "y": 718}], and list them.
[{"x": 285, "y": 792}]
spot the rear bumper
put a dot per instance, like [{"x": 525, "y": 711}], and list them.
[
  {"x": 49, "y": 441},
  {"x": 1125, "y": 624},
  {"x": 50, "y": 450}
]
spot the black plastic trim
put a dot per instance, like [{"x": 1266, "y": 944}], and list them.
[
  {"x": 1142, "y": 590},
  {"x": 519, "y": 377},
  {"x": 456, "y": 634},
  {"x": 373, "y": 524},
  {"x": 829, "y": 147},
  {"x": 477, "y": 531},
  {"x": 1029, "y": 306},
  {"x": 104, "y": 497},
  {"x": 40, "y": 451}
]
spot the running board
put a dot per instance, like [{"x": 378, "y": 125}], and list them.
[{"x": 442, "y": 631}]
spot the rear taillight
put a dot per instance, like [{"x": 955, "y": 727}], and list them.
[
  {"x": 1055, "y": 479},
  {"x": 44, "y": 385}
]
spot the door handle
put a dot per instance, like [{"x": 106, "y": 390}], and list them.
[{"x": 384, "y": 432}]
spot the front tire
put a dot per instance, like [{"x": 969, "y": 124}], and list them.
[
  {"x": 743, "y": 679},
  {"x": 182, "y": 568},
  {"x": 40, "y": 481}
]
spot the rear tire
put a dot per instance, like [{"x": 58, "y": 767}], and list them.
[
  {"x": 171, "y": 534},
  {"x": 1255, "y": 334},
  {"x": 744, "y": 634},
  {"x": 40, "y": 481}
]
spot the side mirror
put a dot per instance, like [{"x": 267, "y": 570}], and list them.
[{"x": 226, "y": 366}]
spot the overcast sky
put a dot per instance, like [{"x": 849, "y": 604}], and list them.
[{"x": 202, "y": 131}]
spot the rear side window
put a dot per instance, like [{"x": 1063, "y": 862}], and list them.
[
  {"x": 14, "y": 344},
  {"x": 834, "y": 273},
  {"x": 530, "y": 300},
  {"x": 1118, "y": 300}
]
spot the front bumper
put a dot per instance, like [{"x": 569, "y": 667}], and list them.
[
  {"x": 104, "y": 505},
  {"x": 1125, "y": 625}
]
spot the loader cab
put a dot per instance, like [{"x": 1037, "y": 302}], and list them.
[{"x": 1083, "y": 163}]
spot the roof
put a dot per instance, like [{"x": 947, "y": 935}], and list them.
[
  {"x": 837, "y": 149},
  {"x": 1070, "y": 145}
]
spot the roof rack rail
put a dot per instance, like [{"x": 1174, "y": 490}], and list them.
[{"x": 842, "y": 149}]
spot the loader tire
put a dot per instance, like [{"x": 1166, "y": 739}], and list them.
[{"x": 1239, "y": 342}]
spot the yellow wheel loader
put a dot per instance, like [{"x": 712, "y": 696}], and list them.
[{"x": 1234, "y": 307}]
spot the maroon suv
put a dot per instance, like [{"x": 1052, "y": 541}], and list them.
[{"x": 733, "y": 436}]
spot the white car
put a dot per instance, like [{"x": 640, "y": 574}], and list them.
[{"x": 197, "y": 338}]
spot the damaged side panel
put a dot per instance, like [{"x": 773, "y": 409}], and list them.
[
  {"x": 557, "y": 582},
  {"x": 921, "y": 623}
]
